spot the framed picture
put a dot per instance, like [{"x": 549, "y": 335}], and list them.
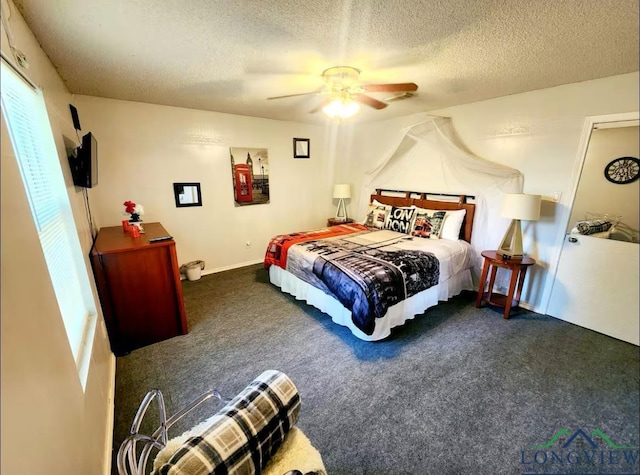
[
  {"x": 250, "y": 175},
  {"x": 187, "y": 194},
  {"x": 301, "y": 148}
]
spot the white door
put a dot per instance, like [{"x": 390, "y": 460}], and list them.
[
  {"x": 597, "y": 279},
  {"x": 596, "y": 286}
]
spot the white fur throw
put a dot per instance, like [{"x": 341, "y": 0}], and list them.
[{"x": 295, "y": 453}]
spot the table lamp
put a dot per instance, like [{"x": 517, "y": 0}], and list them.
[
  {"x": 517, "y": 206},
  {"x": 341, "y": 192}
]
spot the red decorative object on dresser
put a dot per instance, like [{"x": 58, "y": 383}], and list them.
[{"x": 139, "y": 286}]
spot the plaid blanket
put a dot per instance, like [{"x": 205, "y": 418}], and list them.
[
  {"x": 366, "y": 271},
  {"x": 593, "y": 226},
  {"x": 278, "y": 247},
  {"x": 245, "y": 433}
]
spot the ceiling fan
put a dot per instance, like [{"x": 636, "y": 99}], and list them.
[{"x": 344, "y": 93}]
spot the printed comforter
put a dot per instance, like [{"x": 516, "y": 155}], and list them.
[{"x": 366, "y": 277}]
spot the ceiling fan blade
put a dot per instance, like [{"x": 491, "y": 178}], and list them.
[
  {"x": 326, "y": 101},
  {"x": 399, "y": 96},
  {"x": 293, "y": 95},
  {"x": 369, "y": 101},
  {"x": 400, "y": 87}
]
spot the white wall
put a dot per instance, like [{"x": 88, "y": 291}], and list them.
[
  {"x": 537, "y": 133},
  {"x": 595, "y": 193},
  {"x": 143, "y": 149},
  {"x": 49, "y": 424}
]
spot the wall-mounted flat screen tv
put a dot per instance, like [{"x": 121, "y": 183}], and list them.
[{"x": 84, "y": 162}]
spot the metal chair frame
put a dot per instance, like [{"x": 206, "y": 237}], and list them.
[{"x": 128, "y": 461}]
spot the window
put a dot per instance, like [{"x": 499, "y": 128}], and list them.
[{"x": 32, "y": 139}]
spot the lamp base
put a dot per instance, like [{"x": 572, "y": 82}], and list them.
[
  {"x": 341, "y": 211},
  {"x": 511, "y": 245},
  {"x": 506, "y": 255}
]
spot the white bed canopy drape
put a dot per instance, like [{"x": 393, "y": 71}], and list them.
[{"x": 429, "y": 157}]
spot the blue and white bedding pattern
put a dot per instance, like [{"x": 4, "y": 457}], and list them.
[{"x": 367, "y": 272}]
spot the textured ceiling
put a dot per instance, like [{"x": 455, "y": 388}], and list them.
[{"x": 229, "y": 56}]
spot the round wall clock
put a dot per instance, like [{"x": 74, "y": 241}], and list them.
[{"x": 622, "y": 170}]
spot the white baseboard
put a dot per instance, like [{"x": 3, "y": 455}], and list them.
[
  {"x": 525, "y": 305},
  {"x": 530, "y": 307},
  {"x": 108, "y": 445},
  {"x": 233, "y": 266},
  {"x": 222, "y": 269}
]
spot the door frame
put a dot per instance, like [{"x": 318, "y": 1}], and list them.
[{"x": 563, "y": 220}]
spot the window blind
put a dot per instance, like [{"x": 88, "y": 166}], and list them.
[{"x": 32, "y": 139}]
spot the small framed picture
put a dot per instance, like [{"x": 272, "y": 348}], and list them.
[
  {"x": 187, "y": 194},
  {"x": 301, "y": 148}
]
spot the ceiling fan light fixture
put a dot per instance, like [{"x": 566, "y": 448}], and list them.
[
  {"x": 339, "y": 108},
  {"x": 341, "y": 77},
  {"x": 344, "y": 94}
]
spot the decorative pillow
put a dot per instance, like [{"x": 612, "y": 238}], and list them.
[
  {"x": 593, "y": 226},
  {"x": 427, "y": 223},
  {"x": 377, "y": 215},
  {"x": 452, "y": 224},
  {"x": 450, "y": 227},
  {"x": 243, "y": 435},
  {"x": 400, "y": 219}
]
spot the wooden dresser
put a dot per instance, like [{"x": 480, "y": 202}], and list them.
[{"x": 139, "y": 287}]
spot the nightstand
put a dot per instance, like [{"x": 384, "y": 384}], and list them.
[
  {"x": 335, "y": 222},
  {"x": 518, "y": 269}
]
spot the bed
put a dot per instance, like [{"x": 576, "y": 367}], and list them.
[{"x": 412, "y": 252}]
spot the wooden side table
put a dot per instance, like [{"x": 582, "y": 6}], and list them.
[
  {"x": 518, "y": 269},
  {"x": 335, "y": 222}
]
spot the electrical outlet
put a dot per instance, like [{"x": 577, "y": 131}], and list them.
[
  {"x": 556, "y": 196},
  {"x": 247, "y": 243}
]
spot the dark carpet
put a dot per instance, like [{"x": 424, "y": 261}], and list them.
[{"x": 457, "y": 390}]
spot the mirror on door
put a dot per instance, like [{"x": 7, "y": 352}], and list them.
[{"x": 607, "y": 200}]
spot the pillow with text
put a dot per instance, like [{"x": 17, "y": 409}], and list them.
[{"x": 400, "y": 219}]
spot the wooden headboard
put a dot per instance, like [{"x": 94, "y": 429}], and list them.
[{"x": 423, "y": 200}]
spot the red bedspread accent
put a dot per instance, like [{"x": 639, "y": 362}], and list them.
[{"x": 279, "y": 245}]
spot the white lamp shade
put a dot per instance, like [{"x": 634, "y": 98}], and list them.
[
  {"x": 342, "y": 191},
  {"x": 521, "y": 206}
]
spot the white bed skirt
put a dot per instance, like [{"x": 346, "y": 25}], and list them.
[{"x": 396, "y": 315}]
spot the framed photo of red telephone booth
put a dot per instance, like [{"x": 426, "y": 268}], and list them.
[{"x": 250, "y": 175}]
